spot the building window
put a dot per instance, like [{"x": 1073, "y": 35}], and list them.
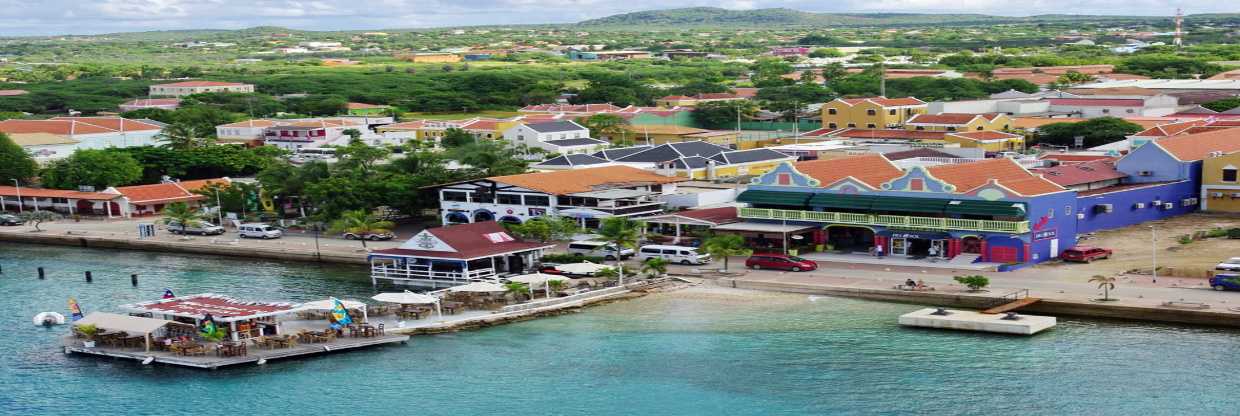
[
  {"x": 870, "y": 125},
  {"x": 482, "y": 196},
  {"x": 831, "y": 125},
  {"x": 916, "y": 184},
  {"x": 870, "y": 112},
  {"x": 920, "y": 128},
  {"x": 1067, "y": 210},
  {"x": 979, "y": 128},
  {"x": 851, "y": 125},
  {"x": 508, "y": 199},
  {"x": 537, "y": 200},
  {"x": 454, "y": 196},
  {"x": 1130, "y": 111},
  {"x": 908, "y": 111},
  {"x": 891, "y": 112},
  {"x": 831, "y": 111},
  {"x": 951, "y": 129},
  {"x": 1229, "y": 174},
  {"x": 783, "y": 179},
  {"x": 1106, "y": 111}
]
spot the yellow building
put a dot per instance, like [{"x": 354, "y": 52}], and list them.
[
  {"x": 959, "y": 122},
  {"x": 1220, "y": 183},
  {"x": 658, "y": 134},
  {"x": 430, "y": 57},
  {"x": 990, "y": 141},
  {"x": 730, "y": 164},
  {"x": 673, "y": 101},
  {"x": 870, "y": 113}
]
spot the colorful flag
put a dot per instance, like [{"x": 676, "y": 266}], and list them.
[
  {"x": 75, "y": 311},
  {"x": 339, "y": 317},
  {"x": 168, "y": 294},
  {"x": 208, "y": 328}
]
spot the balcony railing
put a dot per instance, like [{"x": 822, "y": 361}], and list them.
[{"x": 898, "y": 221}]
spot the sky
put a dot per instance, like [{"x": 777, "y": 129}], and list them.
[{"x": 57, "y": 17}]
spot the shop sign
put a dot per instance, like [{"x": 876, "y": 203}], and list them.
[{"x": 1045, "y": 234}]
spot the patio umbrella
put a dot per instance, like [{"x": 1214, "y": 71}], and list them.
[
  {"x": 479, "y": 287},
  {"x": 537, "y": 279},
  {"x": 328, "y": 304},
  {"x": 583, "y": 268},
  {"x": 409, "y": 298}
]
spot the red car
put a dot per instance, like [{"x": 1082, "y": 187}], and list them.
[
  {"x": 1083, "y": 254},
  {"x": 780, "y": 262}
]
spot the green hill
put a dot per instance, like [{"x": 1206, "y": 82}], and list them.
[{"x": 713, "y": 16}]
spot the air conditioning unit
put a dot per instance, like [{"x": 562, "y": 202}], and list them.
[
  {"x": 1080, "y": 215},
  {"x": 1168, "y": 205},
  {"x": 1145, "y": 173},
  {"x": 1216, "y": 194},
  {"x": 1139, "y": 205},
  {"x": 1104, "y": 208},
  {"x": 1157, "y": 202}
]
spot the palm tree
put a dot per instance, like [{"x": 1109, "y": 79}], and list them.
[
  {"x": 1107, "y": 284},
  {"x": 361, "y": 224},
  {"x": 517, "y": 289},
  {"x": 555, "y": 286},
  {"x": 622, "y": 232},
  {"x": 179, "y": 136},
  {"x": 181, "y": 213},
  {"x": 654, "y": 267},
  {"x": 724, "y": 246}
]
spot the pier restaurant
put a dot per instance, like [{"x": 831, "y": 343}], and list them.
[
  {"x": 455, "y": 255},
  {"x": 240, "y": 319}
]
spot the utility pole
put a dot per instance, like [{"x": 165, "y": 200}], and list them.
[
  {"x": 882, "y": 79},
  {"x": 1154, "y": 251},
  {"x": 20, "y": 208},
  {"x": 1179, "y": 28}
]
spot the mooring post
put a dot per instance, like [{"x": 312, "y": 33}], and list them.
[
  {"x": 133, "y": 279},
  {"x": 40, "y": 273},
  {"x": 88, "y": 277}
]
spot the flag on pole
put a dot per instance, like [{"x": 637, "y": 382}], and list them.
[
  {"x": 339, "y": 317},
  {"x": 75, "y": 310},
  {"x": 168, "y": 293}
]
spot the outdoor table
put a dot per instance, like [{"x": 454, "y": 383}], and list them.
[
  {"x": 368, "y": 331},
  {"x": 450, "y": 307},
  {"x": 231, "y": 349}
]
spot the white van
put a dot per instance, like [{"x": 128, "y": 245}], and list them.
[
  {"x": 673, "y": 254},
  {"x": 607, "y": 251},
  {"x": 257, "y": 230}
]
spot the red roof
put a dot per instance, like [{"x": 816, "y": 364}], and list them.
[
  {"x": 1169, "y": 129},
  {"x": 890, "y": 134},
  {"x": 488, "y": 125},
  {"x": 985, "y": 135},
  {"x": 969, "y": 176},
  {"x": 884, "y": 101},
  {"x": 819, "y": 133},
  {"x": 200, "y": 84},
  {"x": 26, "y": 192},
  {"x": 216, "y": 305},
  {"x": 943, "y": 118},
  {"x": 871, "y": 169},
  {"x": 1081, "y": 173},
  {"x": 470, "y": 241},
  {"x": 167, "y": 192},
  {"x": 1098, "y": 102},
  {"x": 1067, "y": 158},
  {"x": 152, "y": 102},
  {"x": 362, "y": 106},
  {"x": 1199, "y": 146},
  {"x": 114, "y": 123},
  {"x": 69, "y": 126}
]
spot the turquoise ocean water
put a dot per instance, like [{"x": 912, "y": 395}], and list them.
[{"x": 696, "y": 352}]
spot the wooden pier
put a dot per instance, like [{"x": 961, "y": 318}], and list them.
[{"x": 254, "y": 355}]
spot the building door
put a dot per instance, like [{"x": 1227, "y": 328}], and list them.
[
  {"x": 1000, "y": 254},
  {"x": 971, "y": 245},
  {"x": 899, "y": 246},
  {"x": 938, "y": 248},
  {"x": 1054, "y": 248}
]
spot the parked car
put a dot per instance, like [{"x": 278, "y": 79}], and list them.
[
  {"x": 672, "y": 254},
  {"x": 602, "y": 249},
  {"x": 259, "y": 230},
  {"x": 196, "y": 227},
  {"x": 1225, "y": 281},
  {"x": 1231, "y": 265},
  {"x": 780, "y": 262},
  {"x": 6, "y": 219},
  {"x": 1085, "y": 254},
  {"x": 369, "y": 236}
]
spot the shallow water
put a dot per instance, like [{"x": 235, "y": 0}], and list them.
[{"x": 703, "y": 351}]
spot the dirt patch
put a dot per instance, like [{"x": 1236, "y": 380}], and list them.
[{"x": 1134, "y": 254}]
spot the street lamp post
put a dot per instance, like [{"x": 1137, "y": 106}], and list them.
[
  {"x": 20, "y": 209},
  {"x": 219, "y": 208}
]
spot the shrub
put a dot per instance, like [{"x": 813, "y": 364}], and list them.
[
  {"x": 974, "y": 282},
  {"x": 1185, "y": 239},
  {"x": 1217, "y": 232},
  {"x": 1233, "y": 233}
]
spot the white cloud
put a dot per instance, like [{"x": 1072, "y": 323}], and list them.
[{"x": 23, "y": 17}]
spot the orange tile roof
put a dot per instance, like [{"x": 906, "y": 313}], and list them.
[
  {"x": 584, "y": 180},
  {"x": 943, "y": 118},
  {"x": 69, "y": 126},
  {"x": 871, "y": 169},
  {"x": 256, "y": 123},
  {"x": 196, "y": 184},
  {"x": 1199, "y": 146},
  {"x": 200, "y": 84},
  {"x": 985, "y": 135},
  {"x": 28, "y": 192},
  {"x": 1170, "y": 129},
  {"x": 360, "y": 106},
  {"x": 114, "y": 123},
  {"x": 408, "y": 125},
  {"x": 166, "y": 192},
  {"x": 968, "y": 176},
  {"x": 854, "y": 133},
  {"x": 482, "y": 124},
  {"x": 884, "y": 101}
]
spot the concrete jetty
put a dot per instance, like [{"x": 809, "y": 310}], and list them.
[{"x": 1010, "y": 323}]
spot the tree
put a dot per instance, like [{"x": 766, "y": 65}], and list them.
[
  {"x": 974, "y": 283},
  {"x": 723, "y": 114},
  {"x": 1073, "y": 78},
  {"x": 604, "y": 126},
  {"x": 15, "y": 163},
  {"x": 622, "y": 232},
  {"x": 654, "y": 267},
  {"x": 545, "y": 229},
  {"x": 359, "y": 156},
  {"x": 92, "y": 167},
  {"x": 1095, "y": 132},
  {"x": 353, "y": 134},
  {"x": 723, "y": 246},
  {"x": 455, "y": 137},
  {"x": 1223, "y": 104},
  {"x": 490, "y": 158},
  {"x": 182, "y": 136},
  {"x": 39, "y": 217},
  {"x": 361, "y": 224},
  {"x": 180, "y": 212},
  {"x": 1107, "y": 284},
  {"x": 826, "y": 53},
  {"x": 518, "y": 290}
]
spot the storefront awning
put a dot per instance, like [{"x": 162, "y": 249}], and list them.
[
  {"x": 794, "y": 199},
  {"x": 905, "y": 204},
  {"x": 993, "y": 208},
  {"x": 842, "y": 201}
]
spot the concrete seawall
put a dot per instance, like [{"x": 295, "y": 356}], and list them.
[
  {"x": 1221, "y": 318},
  {"x": 183, "y": 247}
]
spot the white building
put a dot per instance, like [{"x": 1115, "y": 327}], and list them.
[
  {"x": 180, "y": 89},
  {"x": 59, "y": 137},
  {"x": 557, "y": 137}
]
